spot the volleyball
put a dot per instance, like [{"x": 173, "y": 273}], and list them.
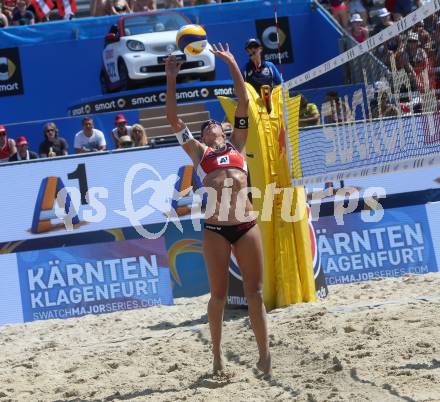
[{"x": 191, "y": 39}]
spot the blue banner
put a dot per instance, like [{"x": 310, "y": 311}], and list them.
[
  {"x": 93, "y": 279},
  {"x": 359, "y": 250},
  {"x": 368, "y": 144}
]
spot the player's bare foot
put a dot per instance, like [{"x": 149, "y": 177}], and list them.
[
  {"x": 265, "y": 365},
  {"x": 218, "y": 365}
]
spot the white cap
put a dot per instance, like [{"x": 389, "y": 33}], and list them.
[
  {"x": 356, "y": 18},
  {"x": 383, "y": 12}
]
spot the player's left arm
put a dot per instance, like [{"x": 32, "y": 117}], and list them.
[{"x": 239, "y": 135}]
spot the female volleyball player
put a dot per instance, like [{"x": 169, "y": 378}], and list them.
[{"x": 221, "y": 166}]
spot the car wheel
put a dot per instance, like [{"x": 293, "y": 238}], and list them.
[
  {"x": 103, "y": 81},
  {"x": 208, "y": 76},
  {"x": 123, "y": 75}
]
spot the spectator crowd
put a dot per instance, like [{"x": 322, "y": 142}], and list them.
[
  {"x": 23, "y": 12},
  {"x": 367, "y": 10},
  {"x": 112, "y": 7},
  {"x": 88, "y": 139},
  {"x": 416, "y": 50}
]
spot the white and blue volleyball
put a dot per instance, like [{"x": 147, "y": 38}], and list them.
[{"x": 191, "y": 39}]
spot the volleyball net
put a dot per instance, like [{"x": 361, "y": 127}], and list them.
[{"x": 385, "y": 115}]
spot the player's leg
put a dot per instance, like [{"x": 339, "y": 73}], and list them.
[
  {"x": 248, "y": 250},
  {"x": 216, "y": 251}
]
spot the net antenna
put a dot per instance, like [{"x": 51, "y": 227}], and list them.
[
  {"x": 275, "y": 12},
  {"x": 387, "y": 119}
]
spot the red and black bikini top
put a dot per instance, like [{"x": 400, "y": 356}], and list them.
[{"x": 226, "y": 158}]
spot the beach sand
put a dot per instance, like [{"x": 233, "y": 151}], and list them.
[{"x": 371, "y": 341}]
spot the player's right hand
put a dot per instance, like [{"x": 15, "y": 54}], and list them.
[{"x": 172, "y": 67}]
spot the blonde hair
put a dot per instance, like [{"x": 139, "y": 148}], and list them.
[{"x": 143, "y": 140}]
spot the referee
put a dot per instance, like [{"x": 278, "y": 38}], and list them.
[{"x": 257, "y": 71}]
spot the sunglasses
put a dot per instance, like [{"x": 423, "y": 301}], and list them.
[
  {"x": 252, "y": 50},
  {"x": 50, "y": 130},
  {"x": 209, "y": 123}
]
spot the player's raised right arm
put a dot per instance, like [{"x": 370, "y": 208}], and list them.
[{"x": 191, "y": 146}]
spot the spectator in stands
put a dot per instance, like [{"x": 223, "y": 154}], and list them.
[
  {"x": 99, "y": 8},
  {"x": 357, "y": 7},
  {"x": 402, "y": 8},
  {"x": 424, "y": 36},
  {"x": 125, "y": 142},
  {"x": 391, "y": 50},
  {"x": 430, "y": 23},
  {"x": 358, "y": 30},
  {"x": 120, "y": 129},
  {"x": 257, "y": 71},
  {"x": 174, "y": 4},
  {"x": 143, "y": 5},
  {"x": 138, "y": 135},
  {"x": 8, "y": 7},
  {"x": 53, "y": 145},
  {"x": 119, "y": 7},
  {"x": 21, "y": 15},
  {"x": 417, "y": 57},
  {"x": 385, "y": 21},
  {"x": 340, "y": 12},
  {"x": 381, "y": 105},
  {"x": 334, "y": 109},
  {"x": 416, "y": 60},
  {"x": 23, "y": 153},
  {"x": 3, "y": 19},
  {"x": 308, "y": 113},
  {"x": 7, "y": 145},
  {"x": 436, "y": 46},
  {"x": 89, "y": 139}
]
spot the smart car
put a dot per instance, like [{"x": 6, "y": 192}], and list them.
[{"x": 136, "y": 47}]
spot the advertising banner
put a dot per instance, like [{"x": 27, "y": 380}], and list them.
[
  {"x": 364, "y": 148},
  {"x": 185, "y": 256},
  {"x": 276, "y": 45},
  {"x": 10, "y": 299},
  {"x": 156, "y": 97},
  {"x": 433, "y": 212},
  {"x": 103, "y": 191},
  {"x": 11, "y": 81},
  {"x": 90, "y": 279},
  {"x": 399, "y": 243}
]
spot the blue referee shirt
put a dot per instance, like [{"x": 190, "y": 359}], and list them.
[{"x": 266, "y": 74}]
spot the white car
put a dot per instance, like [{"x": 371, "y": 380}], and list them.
[{"x": 136, "y": 47}]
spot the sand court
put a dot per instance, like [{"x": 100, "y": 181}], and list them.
[{"x": 370, "y": 341}]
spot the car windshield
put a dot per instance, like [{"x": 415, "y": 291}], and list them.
[{"x": 143, "y": 24}]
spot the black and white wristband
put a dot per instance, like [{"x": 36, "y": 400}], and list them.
[{"x": 241, "y": 122}]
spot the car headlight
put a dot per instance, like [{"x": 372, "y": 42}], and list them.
[{"x": 135, "y": 46}]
